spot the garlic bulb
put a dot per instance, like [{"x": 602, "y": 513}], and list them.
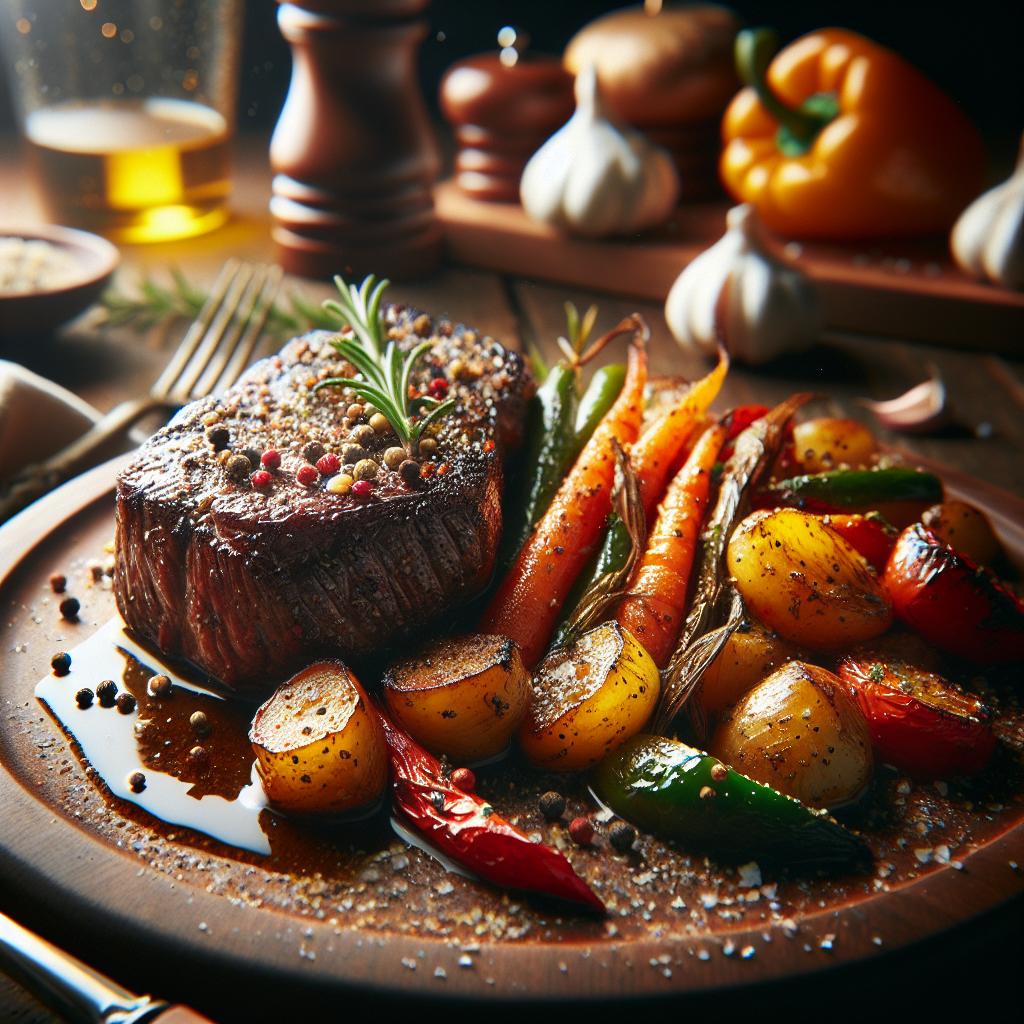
[
  {"x": 595, "y": 177},
  {"x": 736, "y": 292},
  {"x": 988, "y": 239}
]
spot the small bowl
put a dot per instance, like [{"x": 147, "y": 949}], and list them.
[{"x": 38, "y": 312}]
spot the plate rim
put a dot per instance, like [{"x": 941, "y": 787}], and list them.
[{"x": 51, "y": 867}]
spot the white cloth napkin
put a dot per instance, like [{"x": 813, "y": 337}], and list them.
[{"x": 37, "y": 418}]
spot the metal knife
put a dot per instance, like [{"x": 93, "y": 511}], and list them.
[{"x": 76, "y": 990}]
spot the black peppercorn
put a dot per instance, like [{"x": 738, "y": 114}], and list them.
[
  {"x": 125, "y": 703},
  {"x": 253, "y": 456},
  {"x": 200, "y": 724},
  {"x": 312, "y": 450},
  {"x": 622, "y": 836},
  {"x": 70, "y": 607},
  {"x": 218, "y": 436},
  {"x": 552, "y": 805},
  {"x": 136, "y": 782},
  {"x": 61, "y": 663},
  {"x": 238, "y": 467},
  {"x": 58, "y": 581},
  {"x": 106, "y": 693},
  {"x": 83, "y": 698},
  {"x": 409, "y": 471},
  {"x": 158, "y": 686},
  {"x": 198, "y": 756}
]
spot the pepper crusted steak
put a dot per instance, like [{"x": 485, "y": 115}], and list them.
[{"x": 275, "y": 520}]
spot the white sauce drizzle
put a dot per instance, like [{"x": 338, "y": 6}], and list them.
[{"x": 107, "y": 739}]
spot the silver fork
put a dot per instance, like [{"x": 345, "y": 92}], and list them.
[{"x": 216, "y": 348}]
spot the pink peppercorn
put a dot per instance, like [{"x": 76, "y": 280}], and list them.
[
  {"x": 271, "y": 459},
  {"x": 328, "y": 464},
  {"x": 362, "y": 487},
  {"x": 307, "y": 475},
  {"x": 438, "y": 387},
  {"x": 464, "y": 779},
  {"x": 261, "y": 478},
  {"x": 581, "y": 831}
]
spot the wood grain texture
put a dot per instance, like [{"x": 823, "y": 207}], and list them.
[
  {"x": 894, "y": 289},
  {"x": 156, "y": 932}
]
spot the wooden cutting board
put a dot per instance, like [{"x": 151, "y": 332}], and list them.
[{"x": 899, "y": 289}]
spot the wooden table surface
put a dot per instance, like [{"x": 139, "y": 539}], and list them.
[{"x": 986, "y": 391}]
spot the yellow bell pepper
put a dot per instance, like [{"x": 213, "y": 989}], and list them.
[{"x": 841, "y": 138}]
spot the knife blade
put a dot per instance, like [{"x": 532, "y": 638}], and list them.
[{"x": 75, "y": 989}]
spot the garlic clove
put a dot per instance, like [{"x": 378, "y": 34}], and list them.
[
  {"x": 988, "y": 239},
  {"x": 739, "y": 293},
  {"x": 595, "y": 177},
  {"x": 924, "y": 407}
]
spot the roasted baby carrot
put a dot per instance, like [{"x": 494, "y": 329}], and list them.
[
  {"x": 663, "y": 441},
  {"x": 653, "y": 612},
  {"x": 529, "y": 600}
]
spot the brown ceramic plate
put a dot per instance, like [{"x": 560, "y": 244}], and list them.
[
  {"x": 359, "y": 912},
  {"x": 37, "y": 312}
]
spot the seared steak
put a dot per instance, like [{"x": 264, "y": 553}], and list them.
[{"x": 244, "y": 577}]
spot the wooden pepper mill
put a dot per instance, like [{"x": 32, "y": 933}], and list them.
[
  {"x": 503, "y": 106},
  {"x": 354, "y": 156}
]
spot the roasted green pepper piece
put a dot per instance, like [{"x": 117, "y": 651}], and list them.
[
  {"x": 559, "y": 425},
  {"x": 856, "y": 490},
  {"x": 674, "y": 790}
]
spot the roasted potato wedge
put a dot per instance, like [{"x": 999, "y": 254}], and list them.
[
  {"x": 800, "y": 732},
  {"x": 319, "y": 743},
  {"x": 965, "y": 529},
  {"x": 750, "y": 654},
  {"x": 462, "y": 697},
  {"x": 589, "y": 699},
  {"x": 803, "y": 580},
  {"x": 829, "y": 443}
]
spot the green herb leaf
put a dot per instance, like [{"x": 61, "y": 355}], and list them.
[{"x": 385, "y": 370}]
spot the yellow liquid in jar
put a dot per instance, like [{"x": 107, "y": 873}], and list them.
[{"x": 135, "y": 170}]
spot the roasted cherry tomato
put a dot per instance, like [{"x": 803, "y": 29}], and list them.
[
  {"x": 918, "y": 721},
  {"x": 871, "y": 535},
  {"x": 955, "y": 605}
]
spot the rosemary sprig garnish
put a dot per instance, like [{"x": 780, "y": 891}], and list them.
[
  {"x": 155, "y": 304},
  {"x": 384, "y": 369}
]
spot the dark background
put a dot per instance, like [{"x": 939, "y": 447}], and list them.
[{"x": 973, "y": 49}]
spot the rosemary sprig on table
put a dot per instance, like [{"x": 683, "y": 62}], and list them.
[
  {"x": 384, "y": 369},
  {"x": 156, "y": 304}
]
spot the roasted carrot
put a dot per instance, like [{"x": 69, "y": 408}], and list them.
[
  {"x": 653, "y": 612},
  {"x": 653, "y": 457},
  {"x": 529, "y": 600},
  {"x": 655, "y": 453}
]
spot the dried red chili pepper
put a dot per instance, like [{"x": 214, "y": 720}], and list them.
[{"x": 468, "y": 830}]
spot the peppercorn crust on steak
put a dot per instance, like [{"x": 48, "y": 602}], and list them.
[{"x": 247, "y": 576}]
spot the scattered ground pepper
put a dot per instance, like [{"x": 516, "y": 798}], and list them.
[
  {"x": 61, "y": 663},
  {"x": 70, "y": 607},
  {"x": 552, "y": 805}
]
